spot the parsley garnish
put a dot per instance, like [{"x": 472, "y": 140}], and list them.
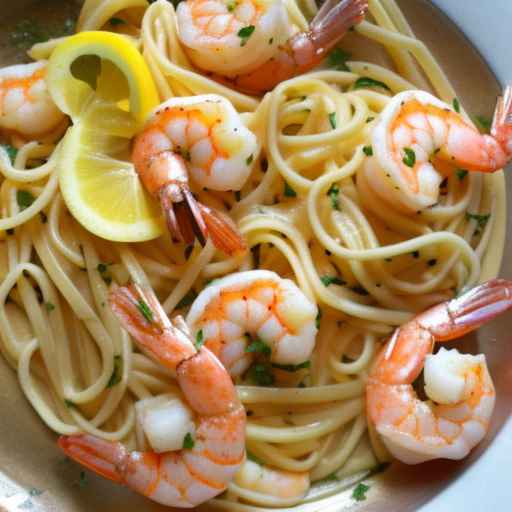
[
  {"x": 245, "y": 33},
  {"x": 83, "y": 479},
  {"x": 365, "y": 82},
  {"x": 368, "y": 151},
  {"x": 188, "y": 442},
  {"x": 231, "y": 6},
  {"x": 359, "y": 493},
  {"x": 117, "y": 21},
  {"x": 145, "y": 311},
  {"x": 103, "y": 267},
  {"x": 332, "y": 120},
  {"x": 49, "y": 306},
  {"x": 415, "y": 254},
  {"x": 249, "y": 159},
  {"x": 288, "y": 191},
  {"x": 24, "y": 199},
  {"x": 187, "y": 299},
  {"x": 318, "y": 318},
  {"x": 253, "y": 457},
  {"x": 69, "y": 404},
  {"x": 199, "y": 339},
  {"x": 480, "y": 219},
  {"x": 409, "y": 158},
  {"x": 328, "y": 280},
  {"x": 261, "y": 374},
  {"x": 258, "y": 346},
  {"x": 483, "y": 123},
  {"x": 117, "y": 372},
  {"x": 10, "y": 150},
  {"x": 461, "y": 174},
  {"x": 456, "y": 105},
  {"x": 338, "y": 59},
  {"x": 333, "y": 194},
  {"x": 292, "y": 367}
]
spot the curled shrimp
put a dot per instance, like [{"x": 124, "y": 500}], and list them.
[
  {"x": 257, "y": 305},
  {"x": 203, "y": 468},
  {"x": 249, "y": 42},
  {"x": 419, "y": 140},
  {"x": 462, "y": 394},
  {"x": 26, "y": 106},
  {"x": 204, "y": 137}
]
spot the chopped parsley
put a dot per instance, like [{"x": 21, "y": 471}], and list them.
[
  {"x": 245, "y": 33},
  {"x": 318, "y": 318},
  {"x": 10, "y": 150},
  {"x": 231, "y": 6},
  {"x": 103, "y": 267},
  {"x": 49, "y": 306},
  {"x": 261, "y": 374},
  {"x": 409, "y": 158},
  {"x": 366, "y": 82},
  {"x": 461, "y": 173},
  {"x": 481, "y": 220},
  {"x": 253, "y": 458},
  {"x": 288, "y": 191},
  {"x": 117, "y": 372},
  {"x": 24, "y": 199},
  {"x": 456, "y": 105},
  {"x": 483, "y": 123},
  {"x": 145, "y": 311},
  {"x": 333, "y": 194},
  {"x": 69, "y": 404},
  {"x": 188, "y": 442},
  {"x": 187, "y": 299},
  {"x": 83, "y": 479},
  {"x": 332, "y": 120},
  {"x": 338, "y": 59},
  {"x": 249, "y": 159},
  {"x": 292, "y": 367},
  {"x": 271, "y": 40},
  {"x": 368, "y": 151},
  {"x": 359, "y": 493},
  {"x": 259, "y": 347},
  {"x": 328, "y": 280},
  {"x": 415, "y": 254},
  {"x": 117, "y": 21},
  {"x": 199, "y": 339}
]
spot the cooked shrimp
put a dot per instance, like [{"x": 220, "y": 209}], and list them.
[
  {"x": 204, "y": 137},
  {"x": 280, "y": 484},
  {"x": 460, "y": 386},
  {"x": 212, "y": 455},
  {"x": 247, "y": 307},
  {"x": 26, "y": 106},
  {"x": 250, "y": 42},
  {"x": 419, "y": 140}
]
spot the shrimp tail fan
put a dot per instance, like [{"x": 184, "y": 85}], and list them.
[{"x": 501, "y": 128}]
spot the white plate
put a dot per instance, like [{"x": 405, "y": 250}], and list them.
[{"x": 486, "y": 485}]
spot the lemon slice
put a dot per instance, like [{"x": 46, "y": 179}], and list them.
[
  {"x": 110, "y": 59},
  {"x": 100, "y": 186}
]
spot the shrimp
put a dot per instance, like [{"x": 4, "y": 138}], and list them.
[
  {"x": 250, "y": 44},
  {"x": 245, "y": 308},
  {"x": 419, "y": 140},
  {"x": 202, "y": 136},
  {"x": 26, "y": 106},
  {"x": 285, "y": 485},
  {"x": 210, "y": 458},
  {"x": 460, "y": 386}
]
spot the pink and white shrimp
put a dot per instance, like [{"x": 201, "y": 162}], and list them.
[
  {"x": 419, "y": 140},
  {"x": 459, "y": 386},
  {"x": 26, "y": 106},
  {"x": 214, "y": 446},
  {"x": 250, "y": 42},
  {"x": 202, "y": 137},
  {"x": 255, "y": 305}
]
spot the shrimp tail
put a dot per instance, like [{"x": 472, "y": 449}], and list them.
[
  {"x": 223, "y": 233},
  {"x": 333, "y": 21},
  {"x": 501, "y": 128},
  {"x": 103, "y": 457},
  {"x": 469, "y": 311}
]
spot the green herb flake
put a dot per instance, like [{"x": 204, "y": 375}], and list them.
[
  {"x": 461, "y": 174},
  {"x": 333, "y": 194},
  {"x": 145, "y": 311},
  {"x": 366, "y": 82},
  {"x": 318, "y": 318},
  {"x": 249, "y": 159},
  {"x": 368, "y": 151},
  {"x": 49, "y": 306},
  {"x": 338, "y": 59},
  {"x": 333, "y": 477},
  {"x": 292, "y": 367},
  {"x": 245, "y": 33},
  {"x": 288, "y": 191},
  {"x": 258, "y": 347},
  {"x": 328, "y": 280},
  {"x": 370, "y": 119},
  {"x": 103, "y": 267},
  {"x": 332, "y": 120},
  {"x": 24, "y": 199},
  {"x": 117, "y": 21},
  {"x": 231, "y": 6},
  {"x": 261, "y": 374},
  {"x": 188, "y": 442},
  {"x": 359, "y": 493},
  {"x": 481, "y": 220},
  {"x": 253, "y": 458},
  {"x": 271, "y": 40},
  {"x": 187, "y": 300},
  {"x": 69, "y": 404},
  {"x": 83, "y": 481},
  {"x": 117, "y": 372},
  {"x": 456, "y": 105},
  {"x": 199, "y": 339},
  {"x": 409, "y": 158},
  {"x": 415, "y": 254},
  {"x": 11, "y": 151},
  {"x": 483, "y": 123}
]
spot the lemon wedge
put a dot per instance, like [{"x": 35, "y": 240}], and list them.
[{"x": 102, "y": 82}]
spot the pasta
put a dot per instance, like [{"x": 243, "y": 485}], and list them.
[{"x": 306, "y": 212}]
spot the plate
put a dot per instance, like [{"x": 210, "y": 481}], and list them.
[{"x": 34, "y": 474}]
